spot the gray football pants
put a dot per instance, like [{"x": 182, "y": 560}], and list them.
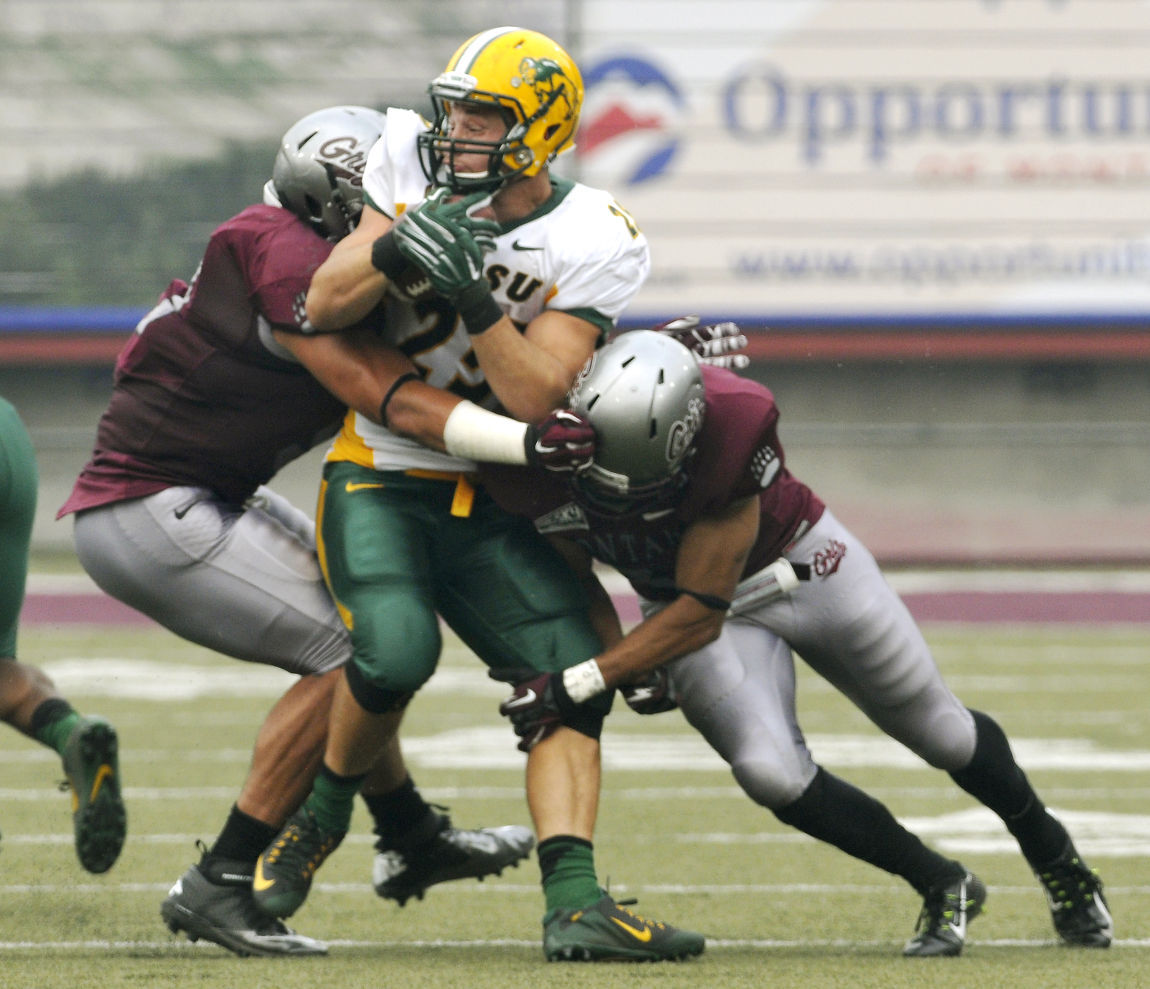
[
  {"x": 243, "y": 581},
  {"x": 851, "y": 628}
]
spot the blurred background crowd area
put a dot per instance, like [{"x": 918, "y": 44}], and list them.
[{"x": 929, "y": 217}]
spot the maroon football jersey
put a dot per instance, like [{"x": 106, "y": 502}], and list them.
[
  {"x": 199, "y": 396},
  {"x": 738, "y": 453}
]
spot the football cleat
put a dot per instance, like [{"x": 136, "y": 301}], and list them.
[
  {"x": 287, "y": 866},
  {"x": 99, "y": 820},
  {"x": 946, "y": 910},
  {"x": 215, "y": 903},
  {"x": 1077, "y": 906},
  {"x": 607, "y": 931},
  {"x": 437, "y": 853}
]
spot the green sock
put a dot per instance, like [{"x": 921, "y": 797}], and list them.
[
  {"x": 332, "y": 799},
  {"x": 55, "y": 733},
  {"x": 568, "y": 867}
]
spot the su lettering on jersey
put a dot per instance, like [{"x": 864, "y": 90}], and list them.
[{"x": 519, "y": 289}]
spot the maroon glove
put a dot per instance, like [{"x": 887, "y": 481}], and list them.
[
  {"x": 536, "y": 707},
  {"x": 654, "y": 694},
  {"x": 719, "y": 345},
  {"x": 564, "y": 443}
]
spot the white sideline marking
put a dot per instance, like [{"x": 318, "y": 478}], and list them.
[
  {"x": 501, "y": 888},
  {"x": 486, "y": 747},
  {"x": 712, "y": 944},
  {"x": 130, "y": 793},
  {"x": 489, "y": 747},
  {"x": 153, "y": 680},
  {"x": 658, "y": 794},
  {"x": 976, "y": 831}
]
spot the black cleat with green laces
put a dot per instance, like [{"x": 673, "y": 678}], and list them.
[
  {"x": 946, "y": 910},
  {"x": 1077, "y": 906}
]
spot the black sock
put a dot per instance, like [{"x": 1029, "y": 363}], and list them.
[
  {"x": 833, "y": 811},
  {"x": 243, "y": 838},
  {"x": 1041, "y": 836},
  {"x": 398, "y": 812},
  {"x": 994, "y": 779}
]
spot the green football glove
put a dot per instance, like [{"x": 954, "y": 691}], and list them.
[{"x": 444, "y": 240}]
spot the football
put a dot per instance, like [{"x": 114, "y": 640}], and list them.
[{"x": 412, "y": 284}]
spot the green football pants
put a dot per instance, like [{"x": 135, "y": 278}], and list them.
[
  {"x": 396, "y": 557},
  {"x": 18, "y": 484}
]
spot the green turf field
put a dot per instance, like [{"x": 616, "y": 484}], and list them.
[{"x": 674, "y": 831}]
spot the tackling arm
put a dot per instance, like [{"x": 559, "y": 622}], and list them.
[
  {"x": 379, "y": 382},
  {"x": 652, "y": 693},
  {"x": 361, "y": 373},
  {"x": 711, "y": 559},
  {"x": 347, "y": 286}
]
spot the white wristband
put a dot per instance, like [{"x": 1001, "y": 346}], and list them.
[
  {"x": 584, "y": 681},
  {"x": 476, "y": 434}
]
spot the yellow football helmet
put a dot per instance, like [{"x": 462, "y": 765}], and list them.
[{"x": 532, "y": 80}]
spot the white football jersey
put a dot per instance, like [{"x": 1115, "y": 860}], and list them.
[{"x": 580, "y": 252}]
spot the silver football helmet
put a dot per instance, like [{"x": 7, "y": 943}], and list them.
[
  {"x": 318, "y": 171},
  {"x": 643, "y": 394}
]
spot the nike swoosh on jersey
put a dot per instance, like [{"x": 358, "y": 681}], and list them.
[
  {"x": 259, "y": 883},
  {"x": 638, "y": 933},
  {"x": 352, "y": 486},
  {"x": 516, "y": 246},
  {"x": 528, "y": 698}
]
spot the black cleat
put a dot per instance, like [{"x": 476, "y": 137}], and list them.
[
  {"x": 220, "y": 909},
  {"x": 946, "y": 910},
  {"x": 1077, "y": 906},
  {"x": 439, "y": 853}
]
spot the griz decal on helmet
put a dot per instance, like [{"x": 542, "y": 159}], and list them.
[
  {"x": 531, "y": 80},
  {"x": 643, "y": 395},
  {"x": 318, "y": 170}
]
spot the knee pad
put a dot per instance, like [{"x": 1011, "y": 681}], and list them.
[
  {"x": 767, "y": 784},
  {"x": 373, "y": 698},
  {"x": 392, "y": 657}
]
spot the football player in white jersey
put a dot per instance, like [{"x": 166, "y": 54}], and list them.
[{"x": 498, "y": 280}]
